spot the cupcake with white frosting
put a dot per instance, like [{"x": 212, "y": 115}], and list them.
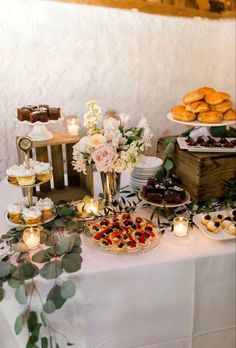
[
  {"x": 43, "y": 171},
  {"x": 25, "y": 176},
  {"x": 46, "y": 206},
  {"x": 14, "y": 211},
  {"x": 32, "y": 215},
  {"x": 11, "y": 174}
]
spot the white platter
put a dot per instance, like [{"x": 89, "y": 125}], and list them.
[
  {"x": 161, "y": 205},
  {"x": 184, "y": 146},
  {"x": 150, "y": 163},
  {"x": 221, "y": 235},
  {"x": 201, "y": 124}
]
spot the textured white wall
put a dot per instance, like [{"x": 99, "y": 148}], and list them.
[{"x": 65, "y": 54}]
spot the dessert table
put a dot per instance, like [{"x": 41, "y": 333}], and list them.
[{"x": 180, "y": 294}]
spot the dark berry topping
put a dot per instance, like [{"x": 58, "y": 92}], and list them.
[
  {"x": 147, "y": 235},
  {"x": 120, "y": 245},
  {"x": 228, "y": 218},
  {"x": 234, "y": 212},
  {"x": 125, "y": 237},
  {"x": 219, "y": 216},
  {"x": 207, "y": 217},
  {"x": 133, "y": 226},
  {"x": 138, "y": 234},
  {"x": 95, "y": 228},
  {"x": 148, "y": 228},
  {"x": 217, "y": 224}
]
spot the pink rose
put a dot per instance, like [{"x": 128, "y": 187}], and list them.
[{"x": 104, "y": 158}]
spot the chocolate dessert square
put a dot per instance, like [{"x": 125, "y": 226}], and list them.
[
  {"x": 154, "y": 197},
  {"x": 172, "y": 197},
  {"x": 23, "y": 114},
  {"x": 54, "y": 114}
]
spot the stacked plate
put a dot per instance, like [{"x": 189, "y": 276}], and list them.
[{"x": 143, "y": 171}]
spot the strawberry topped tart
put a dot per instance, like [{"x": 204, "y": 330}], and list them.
[{"x": 123, "y": 232}]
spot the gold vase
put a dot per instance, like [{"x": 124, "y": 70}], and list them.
[{"x": 111, "y": 186}]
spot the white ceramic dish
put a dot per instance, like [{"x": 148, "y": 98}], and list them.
[
  {"x": 221, "y": 235},
  {"x": 200, "y": 124},
  {"x": 184, "y": 146},
  {"x": 161, "y": 205}
]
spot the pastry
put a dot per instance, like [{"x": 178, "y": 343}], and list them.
[
  {"x": 218, "y": 217},
  {"x": 32, "y": 215},
  {"x": 205, "y": 219},
  {"x": 194, "y": 96},
  {"x": 226, "y": 222},
  {"x": 223, "y": 107},
  {"x": 210, "y": 117},
  {"x": 232, "y": 229},
  {"x": 25, "y": 176},
  {"x": 213, "y": 226},
  {"x": 43, "y": 171},
  {"x": 206, "y": 90},
  {"x": 230, "y": 115},
  {"x": 46, "y": 206},
  {"x": 196, "y": 107},
  {"x": 14, "y": 212},
  {"x": 216, "y": 98},
  {"x": 185, "y": 116}
]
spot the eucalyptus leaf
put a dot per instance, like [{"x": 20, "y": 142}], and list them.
[
  {"x": 51, "y": 269},
  {"x": 20, "y": 295},
  {"x": 170, "y": 148},
  {"x": 44, "y": 342},
  {"x": 71, "y": 262},
  {"x": 26, "y": 270},
  {"x": 20, "y": 247},
  {"x": 32, "y": 320},
  {"x": 169, "y": 140},
  {"x": 43, "y": 319},
  {"x": 49, "y": 306},
  {"x": 168, "y": 165},
  {"x": 63, "y": 246},
  {"x": 2, "y": 293},
  {"x": 6, "y": 269},
  {"x": 19, "y": 324},
  {"x": 56, "y": 297},
  {"x": 65, "y": 212},
  {"x": 13, "y": 283},
  {"x": 59, "y": 223},
  {"x": 22, "y": 257},
  {"x": 68, "y": 289},
  {"x": 41, "y": 256}
]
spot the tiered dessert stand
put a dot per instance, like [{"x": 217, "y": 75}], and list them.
[{"x": 24, "y": 143}]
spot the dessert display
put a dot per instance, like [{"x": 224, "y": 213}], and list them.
[
  {"x": 23, "y": 176},
  {"x": 217, "y": 225},
  {"x": 21, "y": 213},
  {"x": 205, "y": 105},
  {"x": 164, "y": 192},
  {"x": 123, "y": 233},
  {"x": 39, "y": 113}
]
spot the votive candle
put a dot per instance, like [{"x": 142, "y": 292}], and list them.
[
  {"x": 91, "y": 206},
  {"x": 180, "y": 227},
  {"x": 31, "y": 237},
  {"x": 73, "y": 126}
]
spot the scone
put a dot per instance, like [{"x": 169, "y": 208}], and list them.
[
  {"x": 210, "y": 117},
  {"x": 206, "y": 90},
  {"x": 216, "y": 98},
  {"x": 196, "y": 107},
  {"x": 223, "y": 107},
  {"x": 218, "y": 218},
  {"x": 230, "y": 115},
  {"x": 213, "y": 227},
  {"x": 194, "y": 96},
  {"x": 232, "y": 229},
  {"x": 185, "y": 116}
]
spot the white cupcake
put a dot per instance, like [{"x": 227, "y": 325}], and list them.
[
  {"x": 43, "y": 171},
  {"x": 32, "y": 215},
  {"x": 14, "y": 211},
  {"x": 11, "y": 173},
  {"x": 25, "y": 176},
  {"x": 46, "y": 206}
]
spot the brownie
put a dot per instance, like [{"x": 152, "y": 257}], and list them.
[
  {"x": 179, "y": 190},
  {"x": 38, "y": 115},
  {"x": 172, "y": 197},
  {"x": 44, "y": 106},
  {"x": 154, "y": 197},
  {"x": 168, "y": 182},
  {"x": 54, "y": 114},
  {"x": 23, "y": 114}
]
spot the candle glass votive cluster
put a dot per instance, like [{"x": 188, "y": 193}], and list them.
[
  {"x": 180, "y": 227},
  {"x": 31, "y": 237},
  {"x": 73, "y": 125}
]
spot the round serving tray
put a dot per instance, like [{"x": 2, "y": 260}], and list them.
[
  {"x": 55, "y": 209},
  {"x": 200, "y": 124},
  {"x": 162, "y": 205}
]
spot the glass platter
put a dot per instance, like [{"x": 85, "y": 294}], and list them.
[{"x": 87, "y": 239}]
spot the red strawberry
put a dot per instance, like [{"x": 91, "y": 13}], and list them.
[{"x": 125, "y": 216}]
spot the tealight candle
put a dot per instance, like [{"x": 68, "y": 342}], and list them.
[
  {"x": 91, "y": 206},
  {"x": 73, "y": 126},
  {"x": 180, "y": 227},
  {"x": 31, "y": 237}
]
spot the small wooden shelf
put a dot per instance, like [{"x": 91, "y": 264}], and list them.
[{"x": 182, "y": 8}]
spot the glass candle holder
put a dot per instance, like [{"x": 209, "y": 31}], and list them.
[
  {"x": 73, "y": 125},
  {"x": 31, "y": 237},
  {"x": 180, "y": 227},
  {"x": 91, "y": 206}
]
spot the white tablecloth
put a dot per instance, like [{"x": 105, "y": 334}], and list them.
[{"x": 178, "y": 295}]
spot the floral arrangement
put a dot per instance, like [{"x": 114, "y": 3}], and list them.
[{"x": 111, "y": 144}]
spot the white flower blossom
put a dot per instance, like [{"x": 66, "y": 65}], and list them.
[{"x": 124, "y": 119}]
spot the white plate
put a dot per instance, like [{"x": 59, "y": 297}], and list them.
[
  {"x": 150, "y": 162},
  {"x": 161, "y": 205},
  {"x": 201, "y": 124},
  {"x": 184, "y": 146},
  {"x": 221, "y": 235}
]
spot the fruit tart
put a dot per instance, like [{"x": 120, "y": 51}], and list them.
[{"x": 123, "y": 233}]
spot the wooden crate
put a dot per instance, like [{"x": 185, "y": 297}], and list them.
[
  {"x": 202, "y": 174},
  {"x": 67, "y": 184}
]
